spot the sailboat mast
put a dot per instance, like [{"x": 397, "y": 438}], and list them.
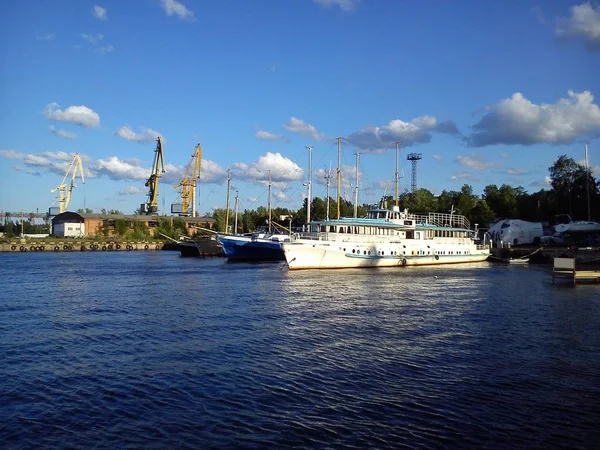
[
  {"x": 356, "y": 187},
  {"x": 309, "y": 200},
  {"x": 587, "y": 181},
  {"x": 269, "y": 201},
  {"x": 397, "y": 177},
  {"x": 227, "y": 209},
  {"x": 339, "y": 176},
  {"x": 237, "y": 205},
  {"x": 327, "y": 182}
]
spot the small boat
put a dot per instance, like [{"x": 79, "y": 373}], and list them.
[
  {"x": 200, "y": 246},
  {"x": 516, "y": 260},
  {"x": 254, "y": 247}
]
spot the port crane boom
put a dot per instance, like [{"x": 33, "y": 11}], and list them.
[
  {"x": 64, "y": 194},
  {"x": 188, "y": 184},
  {"x": 158, "y": 167}
]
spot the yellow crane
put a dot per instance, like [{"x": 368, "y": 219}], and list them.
[
  {"x": 188, "y": 185},
  {"x": 158, "y": 167},
  {"x": 64, "y": 194}
]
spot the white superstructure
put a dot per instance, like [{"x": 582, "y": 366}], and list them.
[{"x": 385, "y": 238}]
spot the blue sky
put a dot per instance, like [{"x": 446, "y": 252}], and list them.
[{"x": 486, "y": 92}]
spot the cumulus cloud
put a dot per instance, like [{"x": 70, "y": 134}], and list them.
[
  {"x": 347, "y": 178},
  {"x": 473, "y": 162},
  {"x": 46, "y": 37},
  {"x": 376, "y": 139},
  {"x": 517, "y": 172},
  {"x": 265, "y": 135},
  {"x": 131, "y": 190},
  {"x": 146, "y": 135},
  {"x": 80, "y": 115},
  {"x": 62, "y": 133},
  {"x": 344, "y": 5},
  {"x": 91, "y": 38},
  {"x": 298, "y": 126},
  {"x": 100, "y": 12},
  {"x": 12, "y": 154},
  {"x": 518, "y": 121},
  {"x": 105, "y": 49},
  {"x": 546, "y": 182},
  {"x": 583, "y": 23},
  {"x": 174, "y": 7},
  {"x": 437, "y": 157},
  {"x": 463, "y": 176},
  {"x": 283, "y": 170}
]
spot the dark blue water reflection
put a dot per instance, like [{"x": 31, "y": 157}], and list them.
[{"x": 131, "y": 350}]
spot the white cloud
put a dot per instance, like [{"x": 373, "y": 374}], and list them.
[
  {"x": 419, "y": 130},
  {"x": 92, "y": 39},
  {"x": 46, "y": 37},
  {"x": 344, "y": 5},
  {"x": 473, "y": 162},
  {"x": 347, "y": 178},
  {"x": 504, "y": 155},
  {"x": 131, "y": 190},
  {"x": 517, "y": 172},
  {"x": 584, "y": 23},
  {"x": 546, "y": 182},
  {"x": 105, "y": 49},
  {"x": 147, "y": 134},
  {"x": 517, "y": 120},
  {"x": 211, "y": 173},
  {"x": 61, "y": 156},
  {"x": 12, "y": 154},
  {"x": 283, "y": 170},
  {"x": 463, "y": 176},
  {"x": 119, "y": 170},
  {"x": 100, "y": 12},
  {"x": 280, "y": 197},
  {"x": 62, "y": 133},
  {"x": 265, "y": 135},
  {"x": 80, "y": 115},
  {"x": 438, "y": 157},
  {"x": 298, "y": 126},
  {"x": 174, "y": 7}
]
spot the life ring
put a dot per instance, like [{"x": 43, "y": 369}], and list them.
[
  {"x": 118, "y": 246},
  {"x": 403, "y": 261},
  {"x": 146, "y": 247},
  {"x": 65, "y": 247},
  {"x": 33, "y": 248},
  {"x": 103, "y": 247},
  {"x": 22, "y": 248},
  {"x": 437, "y": 257},
  {"x": 83, "y": 248},
  {"x": 56, "y": 248},
  {"x": 13, "y": 247},
  {"x": 109, "y": 246},
  {"x": 157, "y": 247}
]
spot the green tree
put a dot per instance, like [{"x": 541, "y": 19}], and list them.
[{"x": 121, "y": 227}]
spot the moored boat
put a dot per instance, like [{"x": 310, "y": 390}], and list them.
[
  {"x": 386, "y": 238},
  {"x": 254, "y": 247},
  {"x": 200, "y": 246}
]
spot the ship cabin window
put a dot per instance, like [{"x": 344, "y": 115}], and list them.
[
  {"x": 323, "y": 228},
  {"x": 332, "y": 228}
]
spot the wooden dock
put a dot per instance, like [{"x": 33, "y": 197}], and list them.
[{"x": 565, "y": 268}]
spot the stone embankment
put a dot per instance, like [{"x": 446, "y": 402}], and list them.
[{"x": 71, "y": 245}]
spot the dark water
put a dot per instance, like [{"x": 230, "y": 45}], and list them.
[{"x": 151, "y": 350}]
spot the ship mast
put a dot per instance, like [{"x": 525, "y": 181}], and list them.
[
  {"x": 339, "y": 175},
  {"x": 237, "y": 206},
  {"x": 309, "y": 200},
  {"x": 328, "y": 182},
  {"x": 397, "y": 177},
  {"x": 587, "y": 181},
  {"x": 269, "y": 200},
  {"x": 356, "y": 187},
  {"x": 227, "y": 209}
]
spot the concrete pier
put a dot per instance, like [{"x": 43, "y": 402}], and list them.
[{"x": 72, "y": 245}]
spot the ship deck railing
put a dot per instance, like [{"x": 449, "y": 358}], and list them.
[{"x": 442, "y": 220}]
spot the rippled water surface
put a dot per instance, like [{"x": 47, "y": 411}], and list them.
[{"x": 148, "y": 349}]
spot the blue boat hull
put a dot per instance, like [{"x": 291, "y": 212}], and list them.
[{"x": 252, "y": 250}]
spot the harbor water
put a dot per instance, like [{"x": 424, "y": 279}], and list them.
[{"x": 149, "y": 349}]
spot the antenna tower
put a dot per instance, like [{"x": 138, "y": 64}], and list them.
[{"x": 414, "y": 159}]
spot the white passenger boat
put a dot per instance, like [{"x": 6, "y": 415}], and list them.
[{"x": 386, "y": 238}]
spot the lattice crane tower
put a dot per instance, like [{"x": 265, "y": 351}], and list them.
[{"x": 414, "y": 159}]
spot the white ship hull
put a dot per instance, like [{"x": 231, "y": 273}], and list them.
[{"x": 303, "y": 254}]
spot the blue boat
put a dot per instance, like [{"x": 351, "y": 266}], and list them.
[{"x": 254, "y": 247}]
